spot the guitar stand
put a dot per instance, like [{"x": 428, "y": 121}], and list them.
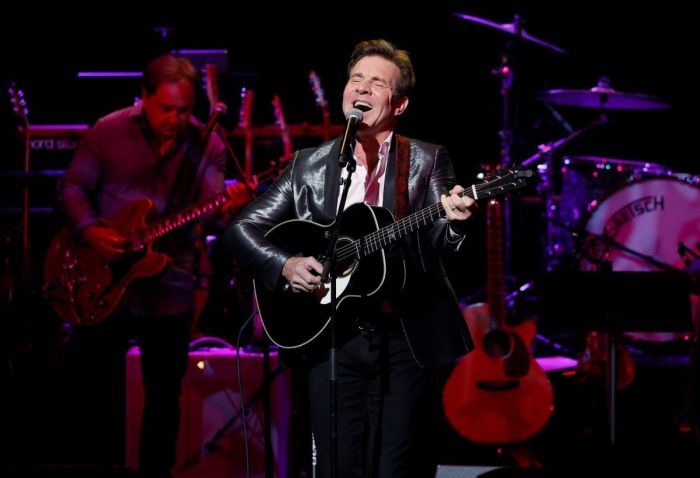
[{"x": 614, "y": 302}]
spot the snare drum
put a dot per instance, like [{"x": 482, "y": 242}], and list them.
[{"x": 652, "y": 217}]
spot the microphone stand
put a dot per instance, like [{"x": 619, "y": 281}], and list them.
[
  {"x": 222, "y": 134},
  {"x": 348, "y": 161},
  {"x": 266, "y": 373}
]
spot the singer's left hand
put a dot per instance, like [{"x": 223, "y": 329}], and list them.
[{"x": 457, "y": 208}]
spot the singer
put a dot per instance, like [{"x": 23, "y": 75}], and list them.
[
  {"x": 153, "y": 150},
  {"x": 388, "y": 346}
]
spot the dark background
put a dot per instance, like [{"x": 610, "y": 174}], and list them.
[{"x": 641, "y": 48}]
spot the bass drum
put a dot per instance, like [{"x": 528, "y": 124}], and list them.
[{"x": 652, "y": 217}]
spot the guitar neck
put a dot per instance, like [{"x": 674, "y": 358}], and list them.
[
  {"x": 326, "y": 123},
  {"x": 191, "y": 213},
  {"x": 288, "y": 149},
  {"x": 496, "y": 282},
  {"x": 321, "y": 102},
  {"x": 396, "y": 231},
  {"x": 245, "y": 121}
]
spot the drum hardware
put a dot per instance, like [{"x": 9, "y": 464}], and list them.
[
  {"x": 596, "y": 248},
  {"x": 505, "y": 72},
  {"x": 638, "y": 168},
  {"x": 546, "y": 189},
  {"x": 607, "y": 301},
  {"x": 686, "y": 253},
  {"x": 602, "y": 97}
]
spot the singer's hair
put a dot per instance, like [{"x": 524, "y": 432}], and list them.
[
  {"x": 168, "y": 69},
  {"x": 388, "y": 51}
]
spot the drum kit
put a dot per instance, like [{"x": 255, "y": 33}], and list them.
[
  {"x": 631, "y": 215},
  {"x": 646, "y": 207}
]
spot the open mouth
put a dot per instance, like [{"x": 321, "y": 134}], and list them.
[{"x": 362, "y": 106}]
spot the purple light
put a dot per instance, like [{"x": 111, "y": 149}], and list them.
[
  {"x": 110, "y": 74},
  {"x": 51, "y": 127},
  {"x": 201, "y": 52}
]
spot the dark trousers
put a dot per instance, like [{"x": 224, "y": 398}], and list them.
[
  {"x": 381, "y": 390},
  {"x": 164, "y": 344}
]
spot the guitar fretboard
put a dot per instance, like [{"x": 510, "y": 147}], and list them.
[
  {"x": 396, "y": 231},
  {"x": 174, "y": 221}
]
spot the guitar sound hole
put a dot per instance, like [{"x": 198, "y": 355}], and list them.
[
  {"x": 498, "y": 344},
  {"x": 347, "y": 261}
]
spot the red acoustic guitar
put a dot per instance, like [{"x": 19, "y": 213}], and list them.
[{"x": 498, "y": 393}]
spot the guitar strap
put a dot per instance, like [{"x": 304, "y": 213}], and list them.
[{"x": 403, "y": 153}]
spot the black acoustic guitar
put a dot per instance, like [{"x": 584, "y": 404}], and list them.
[{"x": 362, "y": 269}]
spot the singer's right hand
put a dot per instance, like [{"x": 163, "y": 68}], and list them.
[{"x": 303, "y": 274}]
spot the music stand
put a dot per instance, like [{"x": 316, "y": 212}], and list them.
[{"x": 615, "y": 302}]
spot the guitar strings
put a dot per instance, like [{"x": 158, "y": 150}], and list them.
[{"x": 386, "y": 235}]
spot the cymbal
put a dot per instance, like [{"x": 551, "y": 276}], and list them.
[
  {"x": 602, "y": 97},
  {"x": 513, "y": 28}
]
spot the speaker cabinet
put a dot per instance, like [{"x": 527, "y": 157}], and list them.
[
  {"x": 452, "y": 471},
  {"x": 210, "y": 407}
]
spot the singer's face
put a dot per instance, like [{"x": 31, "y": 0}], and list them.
[
  {"x": 370, "y": 88},
  {"x": 169, "y": 108}
]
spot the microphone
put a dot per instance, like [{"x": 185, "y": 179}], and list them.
[
  {"x": 218, "y": 109},
  {"x": 354, "y": 118}
]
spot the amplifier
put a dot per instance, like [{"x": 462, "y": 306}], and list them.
[{"x": 210, "y": 443}]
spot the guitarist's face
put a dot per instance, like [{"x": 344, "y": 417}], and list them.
[{"x": 169, "y": 108}]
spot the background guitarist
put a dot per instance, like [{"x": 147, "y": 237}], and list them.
[
  {"x": 157, "y": 150},
  {"x": 382, "y": 362}
]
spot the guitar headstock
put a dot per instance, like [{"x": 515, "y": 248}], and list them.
[
  {"x": 503, "y": 183},
  {"x": 318, "y": 90},
  {"x": 211, "y": 85},
  {"x": 244, "y": 116},
  {"x": 284, "y": 129},
  {"x": 18, "y": 102},
  {"x": 321, "y": 102}
]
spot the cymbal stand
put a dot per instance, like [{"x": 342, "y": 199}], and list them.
[{"x": 505, "y": 73}]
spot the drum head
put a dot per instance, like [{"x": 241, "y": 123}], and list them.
[{"x": 653, "y": 218}]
